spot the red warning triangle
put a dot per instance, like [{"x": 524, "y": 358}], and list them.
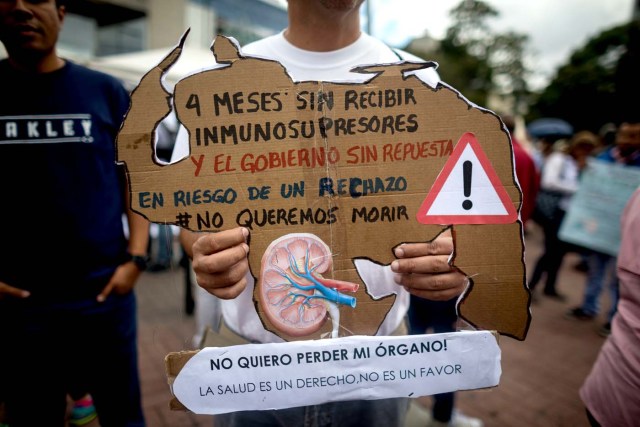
[{"x": 467, "y": 190}]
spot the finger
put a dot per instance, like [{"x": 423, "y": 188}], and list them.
[
  {"x": 434, "y": 286},
  {"x": 222, "y": 276},
  {"x": 211, "y": 243},
  {"x": 6, "y": 290},
  {"x": 221, "y": 261},
  {"x": 422, "y": 265},
  {"x": 229, "y": 292},
  {"x": 443, "y": 245},
  {"x": 444, "y": 295},
  {"x": 105, "y": 292}
]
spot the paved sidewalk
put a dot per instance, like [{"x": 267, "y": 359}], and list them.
[{"x": 540, "y": 376}]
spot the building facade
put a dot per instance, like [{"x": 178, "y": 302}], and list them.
[{"x": 96, "y": 28}]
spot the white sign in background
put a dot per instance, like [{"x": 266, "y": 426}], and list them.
[{"x": 217, "y": 380}]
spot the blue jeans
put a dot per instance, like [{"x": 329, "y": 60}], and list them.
[
  {"x": 602, "y": 270},
  {"x": 550, "y": 261},
  {"x": 165, "y": 245},
  {"x": 50, "y": 348},
  {"x": 438, "y": 317},
  {"x": 356, "y": 413}
]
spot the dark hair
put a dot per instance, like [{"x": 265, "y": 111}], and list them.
[
  {"x": 61, "y": 3},
  {"x": 509, "y": 122},
  {"x": 631, "y": 117}
]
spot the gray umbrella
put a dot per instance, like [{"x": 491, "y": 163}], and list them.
[{"x": 550, "y": 128}]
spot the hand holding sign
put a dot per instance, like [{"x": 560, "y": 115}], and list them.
[{"x": 220, "y": 262}]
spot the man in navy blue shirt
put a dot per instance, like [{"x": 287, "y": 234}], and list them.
[{"x": 67, "y": 265}]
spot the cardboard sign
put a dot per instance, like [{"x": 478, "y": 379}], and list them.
[{"x": 330, "y": 175}]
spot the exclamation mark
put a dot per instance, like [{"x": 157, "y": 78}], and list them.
[{"x": 467, "y": 168}]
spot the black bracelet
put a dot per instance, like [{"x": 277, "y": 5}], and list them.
[{"x": 140, "y": 261}]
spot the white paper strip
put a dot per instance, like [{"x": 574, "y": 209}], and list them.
[{"x": 273, "y": 376}]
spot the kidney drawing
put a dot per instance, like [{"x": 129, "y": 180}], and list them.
[{"x": 294, "y": 295}]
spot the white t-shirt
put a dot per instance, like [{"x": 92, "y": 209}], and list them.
[
  {"x": 239, "y": 314},
  {"x": 561, "y": 174}
]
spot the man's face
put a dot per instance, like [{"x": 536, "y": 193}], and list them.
[
  {"x": 30, "y": 25},
  {"x": 628, "y": 138}
]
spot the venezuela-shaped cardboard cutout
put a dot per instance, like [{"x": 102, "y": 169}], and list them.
[{"x": 329, "y": 178}]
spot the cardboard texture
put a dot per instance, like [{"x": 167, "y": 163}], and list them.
[
  {"x": 337, "y": 173},
  {"x": 173, "y": 364}
]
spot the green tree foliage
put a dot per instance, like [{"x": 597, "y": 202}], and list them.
[
  {"x": 627, "y": 77},
  {"x": 478, "y": 61},
  {"x": 597, "y": 83}
]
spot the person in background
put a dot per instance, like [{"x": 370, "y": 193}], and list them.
[
  {"x": 610, "y": 391},
  {"x": 560, "y": 176},
  {"x": 526, "y": 171},
  {"x": 601, "y": 266},
  {"x": 607, "y": 134},
  {"x": 323, "y": 41},
  {"x": 67, "y": 267},
  {"x": 543, "y": 148}
]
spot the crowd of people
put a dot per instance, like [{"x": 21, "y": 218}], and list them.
[
  {"x": 85, "y": 281},
  {"x": 560, "y": 172},
  {"x": 549, "y": 172},
  {"x": 608, "y": 389}
]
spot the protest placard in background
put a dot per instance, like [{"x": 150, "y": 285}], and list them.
[{"x": 593, "y": 218}]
